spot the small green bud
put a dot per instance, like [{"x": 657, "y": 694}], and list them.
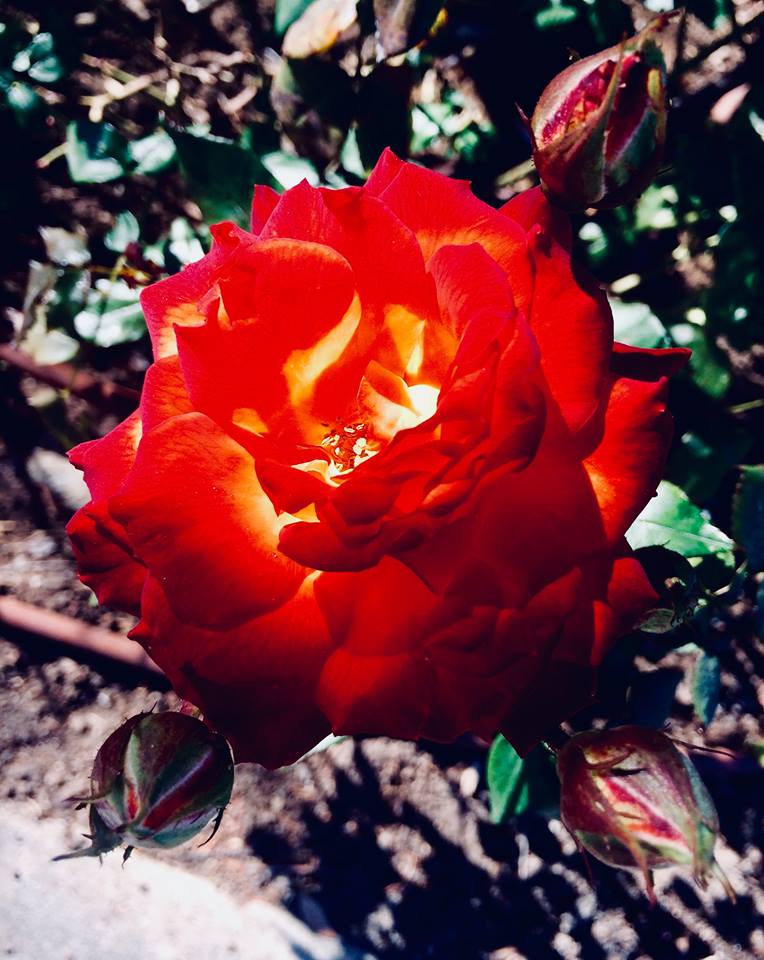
[{"x": 157, "y": 781}]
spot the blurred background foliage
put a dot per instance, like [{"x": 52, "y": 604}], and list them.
[{"x": 130, "y": 125}]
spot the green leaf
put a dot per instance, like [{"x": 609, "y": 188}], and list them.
[
  {"x": 702, "y": 457},
  {"x": 22, "y": 99},
  {"x": 221, "y": 174},
  {"x": 555, "y": 16},
  {"x": 597, "y": 242},
  {"x": 424, "y": 130},
  {"x": 41, "y": 280},
  {"x": 748, "y": 515},
  {"x": 706, "y": 687},
  {"x": 64, "y": 247},
  {"x": 656, "y": 208},
  {"x": 46, "y": 346},
  {"x": 94, "y": 152},
  {"x": 286, "y": 12},
  {"x": 350, "y": 158},
  {"x": 637, "y": 326},
  {"x": 326, "y": 744},
  {"x": 517, "y": 784},
  {"x": 113, "y": 315},
  {"x": 314, "y": 100},
  {"x": 152, "y": 154},
  {"x": 383, "y": 117},
  {"x": 402, "y": 24},
  {"x": 289, "y": 170},
  {"x": 183, "y": 244},
  {"x": 474, "y": 143},
  {"x": 68, "y": 297},
  {"x": 39, "y": 60},
  {"x": 672, "y": 520},
  {"x": 706, "y": 371},
  {"x": 675, "y": 581},
  {"x": 126, "y": 230},
  {"x": 652, "y": 696}
]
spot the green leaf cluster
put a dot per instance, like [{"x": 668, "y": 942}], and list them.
[{"x": 97, "y": 153}]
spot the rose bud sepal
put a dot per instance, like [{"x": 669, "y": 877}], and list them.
[
  {"x": 631, "y": 798},
  {"x": 599, "y": 128},
  {"x": 157, "y": 781}
]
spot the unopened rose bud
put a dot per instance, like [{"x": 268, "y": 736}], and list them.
[
  {"x": 632, "y": 799},
  {"x": 599, "y": 128},
  {"x": 157, "y": 781}
]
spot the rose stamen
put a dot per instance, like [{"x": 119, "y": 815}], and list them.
[{"x": 348, "y": 445}]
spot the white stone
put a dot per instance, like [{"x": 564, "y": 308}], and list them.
[{"x": 146, "y": 911}]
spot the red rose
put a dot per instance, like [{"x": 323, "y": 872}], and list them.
[{"x": 381, "y": 471}]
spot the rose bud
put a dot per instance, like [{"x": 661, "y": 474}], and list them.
[
  {"x": 157, "y": 781},
  {"x": 632, "y": 799},
  {"x": 599, "y": 129}
]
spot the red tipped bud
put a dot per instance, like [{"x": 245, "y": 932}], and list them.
[
  {"x": 157, "y": 781},
  {"x": 632, "y": 799},
  {"x": 599, "y": 128}
]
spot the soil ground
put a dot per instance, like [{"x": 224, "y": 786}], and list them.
[{"x": 388, "y": 844}]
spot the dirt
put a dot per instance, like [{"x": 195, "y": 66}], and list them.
[{"x": 388, "y": 843}]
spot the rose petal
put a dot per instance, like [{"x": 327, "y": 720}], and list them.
[
  {"x": 474, "y": 298},
  {"x": 441, "y": 211},
  {"x": 613, "y": 595},
  {"x": 375, "y": 681},
  {"x": 521, "y": 530},
  {"x": 264, "y": 201},
  {"x": 290, "y": 490},
  {"x": 105, "y": 562},
  {"x": 174, "y": 301},
  {"x": 164, "y": 393},
  {"x": 106, "y": 462},
  {"x": 627, "y": 466},
  {"x": 193, "y": 494},
  {"x": 397, "y": 296},
  {"x": 483, "y": 663},
  {"x": 276, "y": 340},
  {"x": 640, "y": 363},
  {"x": 531, "y": 208},
  {"x": 255, "y": 683},
  {"x": 318, "y": 546},
  {"x": 573, "y": 325}
]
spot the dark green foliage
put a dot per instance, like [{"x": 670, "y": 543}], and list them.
[
  {"x": 706, "y": 687},
  {"x": 671, "y": 520},
  {"x": 202, "y": 158},
  {"x": 95, "y": 152},
  {"x": 676, "y": 583},
  {"x": 286, "y": 12},
  {"x": 748, "y": 515},
  {"x": 314, "y": 100},
  {"x": 384, "y": 118},
  {"x": 652, "y": 696},
  {"x": 518, "y": 784}
]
